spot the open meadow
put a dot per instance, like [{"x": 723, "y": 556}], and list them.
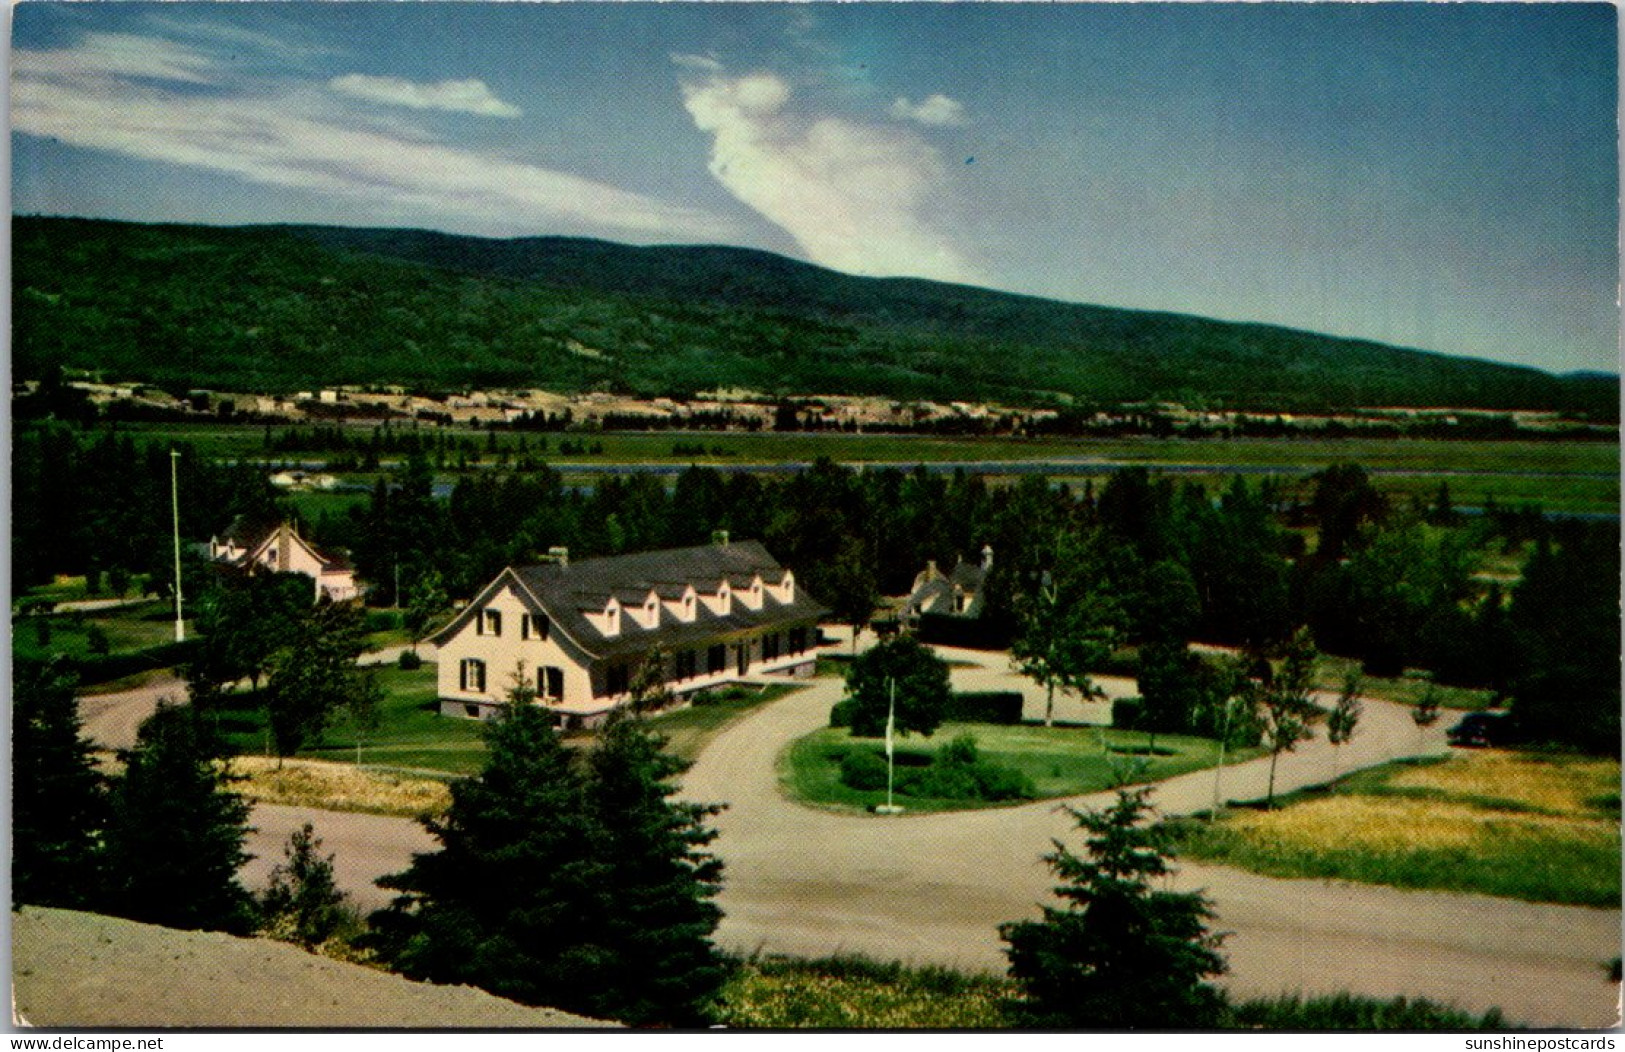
[{"x": 1534, "y": 826}]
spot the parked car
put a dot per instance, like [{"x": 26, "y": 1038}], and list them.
[{"x": 1481, "y": 729}]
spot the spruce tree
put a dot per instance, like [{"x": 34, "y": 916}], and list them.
[
  {"x": 513, "y": 901},
  {"x": 58, "y": 798},
  {"x": 303, "y": 903},
  {"x": 175, "y": 842},
  {"x": 661, "y": 967},
  {"x": 1120, "y": 954}
]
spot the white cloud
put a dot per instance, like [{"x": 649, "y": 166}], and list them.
[
  {"x": 85, "y": 96},
  {"x": 457, "y": 96},
  {"x": 857, "y": 197},
  {"x": 131, "y": 55},
  {"x": 936, "y": 111}
]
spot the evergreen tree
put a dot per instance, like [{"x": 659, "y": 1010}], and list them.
[
  {"x": 1120, "y": 953},
  {"x": 303, "y": 903},
  {"x": 513, "y": 900},
  {"x": 660, "y": 966},
  {"x": 58, "y": 798},
  {"x": 175, "y": 841}
]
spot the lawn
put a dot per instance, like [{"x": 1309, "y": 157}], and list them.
[
  {"x": 1532, "y": 826},
  {"x": 128, "y": 628},
  {"x": 411, "y": 737},
  {"x": 1060, "y": 761},
  {"x": 689, "y": 730}
]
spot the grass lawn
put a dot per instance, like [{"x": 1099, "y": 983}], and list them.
[
  {"x": 1533, "y": 826},
  {"x": 1331, "y": 671},
  {"x": 128, "y": 628},
  {"x": 690, "y": 730},
  {"x": 411, "y": 736},
  {"x": 1060, "y": 761}
]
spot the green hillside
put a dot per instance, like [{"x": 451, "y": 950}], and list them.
[{"x": 279, "y": 308}]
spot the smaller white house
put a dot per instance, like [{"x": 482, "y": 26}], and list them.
[
  {"x": 956, "y": 594},
  {"x": 279, "y": 548}
]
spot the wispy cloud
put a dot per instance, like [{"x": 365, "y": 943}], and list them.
[
  {"x": 936, "y": 111},
  {"x": 855, "y": 196},
  {"x": 457, "y": 96},
  {"x": 137, "y": 97}
]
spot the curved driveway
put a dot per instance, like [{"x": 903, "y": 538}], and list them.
[{"x": 932, "y": 888}]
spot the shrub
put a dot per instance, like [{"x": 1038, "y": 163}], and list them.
[
  {"x": 383, "y": 620},
  {"x": 863, "y": 769},
  {"x": 410, "y": 661},
  {"x": 1126, "y": 713},
  {"x": 840, "y": 714},
  {"x": 992, "y": 706}
]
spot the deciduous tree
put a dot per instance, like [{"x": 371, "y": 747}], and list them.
[{"x": 922, "y": 688}]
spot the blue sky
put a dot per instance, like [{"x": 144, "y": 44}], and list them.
[{"x": 1441, "y": 176}]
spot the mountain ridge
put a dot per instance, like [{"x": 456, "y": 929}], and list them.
[{"x": 290, "y": 305}]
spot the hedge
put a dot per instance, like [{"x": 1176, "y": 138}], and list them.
[{"x": 992, "y": 706}]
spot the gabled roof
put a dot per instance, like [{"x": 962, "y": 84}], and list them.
[
  {"x": 567, "y": 592},
  {"x": 969, "y": 576}
]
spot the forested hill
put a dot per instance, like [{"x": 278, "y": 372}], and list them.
[{"x": 278, "y": 308}]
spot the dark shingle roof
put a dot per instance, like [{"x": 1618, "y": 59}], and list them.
[{"x": 568, "y": 592}]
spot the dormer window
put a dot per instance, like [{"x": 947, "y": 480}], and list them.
[
  {"x": 688, "y": 607},
  {"x": 490, "y": 623},
  {"x": 612, "y": 618}
]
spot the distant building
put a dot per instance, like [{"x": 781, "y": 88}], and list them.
[
  {"x": 956, "y": 594},
  {"x": 279, "y": 548},
  {"x": 720, "y": 612}
]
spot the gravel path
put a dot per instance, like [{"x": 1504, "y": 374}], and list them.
[
  {"x": 934, "y": 887},
  {"x": 82, "y": 971}
]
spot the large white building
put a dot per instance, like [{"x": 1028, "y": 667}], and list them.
[{"x": 718, "y": 612}]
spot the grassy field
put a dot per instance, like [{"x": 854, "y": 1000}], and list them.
[
  {"x": 337, "y": 787},
  {"x": 854, "y": 993},
  {"x": 127, "y": 628},
  {"x": 689, "y": 730},
  {"x": 411, "y": 737},
  {"x": 1559, "y": 476},
  {"x": 1544, "y": 828},
  {"x": 1060, "y": 761}
]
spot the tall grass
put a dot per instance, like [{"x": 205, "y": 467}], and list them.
[{"x": 1517, "y": 825}]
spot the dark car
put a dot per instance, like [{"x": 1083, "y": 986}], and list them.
[{"x": 1481, "y": 729}]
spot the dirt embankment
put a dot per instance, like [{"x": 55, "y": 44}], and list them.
[{"x": 83, "y": 970}]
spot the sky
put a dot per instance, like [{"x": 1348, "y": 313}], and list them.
[{"x": 1439, "y": 176}]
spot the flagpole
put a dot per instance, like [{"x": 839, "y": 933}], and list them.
[
  {"x": 891, "y": 718},
  {"x": 175, "y": 510}
]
